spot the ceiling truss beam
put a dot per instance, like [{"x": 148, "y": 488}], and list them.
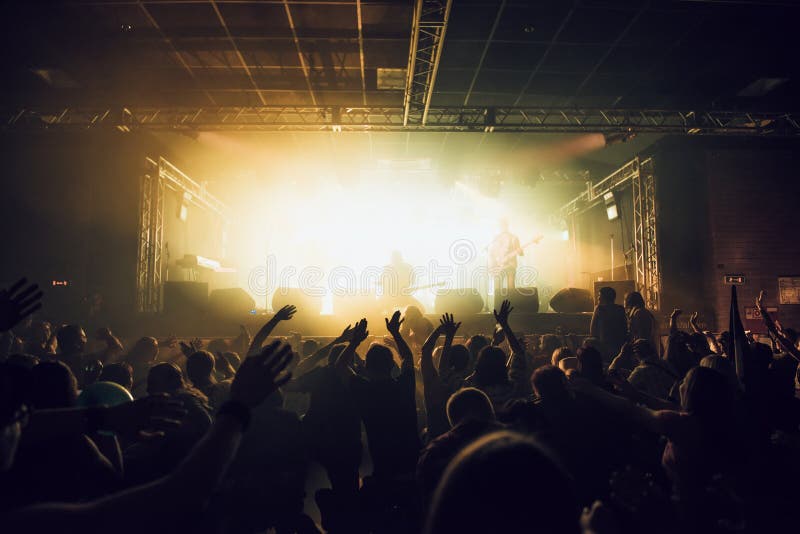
[
  {"x": 392, "y": 118},
  {"x": 425, "y": 51}
]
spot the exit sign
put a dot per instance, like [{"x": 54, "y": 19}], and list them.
[{"x": 735, "y": 279}]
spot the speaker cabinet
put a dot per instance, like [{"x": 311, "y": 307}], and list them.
[
  {"x": 182, "y": 298},
  {"x": 230, "y": 301},
  {"x": 523, "y": 299},
  {"x": 572, "y": 300}
]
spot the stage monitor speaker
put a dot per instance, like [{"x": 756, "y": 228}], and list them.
[
  {"x": 307, "y": 305},
  {"x": 185, "y": 297},
  {"x": 622, "y": 287},
  {"x": 230, "y": 301},
  {"x": 572, "y": 300},
  {"x": 459, "y": 302},
  {"x": 523, "y": 299}
]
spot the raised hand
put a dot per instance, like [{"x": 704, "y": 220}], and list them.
[
  {"x": 502, "y": 316},
  {"x": 346, "y": 334},
  {"x": 448, "y": 325},
  {"x": 262, "y": 374},
  {"x": 359, "y": 332},
  {"x": 190, "y": 348},
  {"x": 285, "y": 313},
  {"x": 675, "y": 313},
  {"x": 693, "y": 318},
  {"x": 393, "y": 324},
  {"x": 16, "y": 305}
]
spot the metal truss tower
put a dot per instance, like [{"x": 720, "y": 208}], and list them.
[
  {"x": 158, "y": 177},
  {"x": 640, "y": 174},
  {"x": 427, "y": 40},
  {"x": 149, "y": 267},
  {"x": 645, "y": 234}
]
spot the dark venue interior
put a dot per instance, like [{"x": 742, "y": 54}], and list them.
[{"x": 413, "y": 266}]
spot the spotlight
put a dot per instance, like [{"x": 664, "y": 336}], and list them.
[
  {"x": 183, "y": 206},
  {"x": 611, "y": 206},
  {"x": 622, "y": 137},
  {"x": 564, "y": 230}
]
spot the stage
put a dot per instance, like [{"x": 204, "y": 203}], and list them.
[{"x": 211, "y": 325}]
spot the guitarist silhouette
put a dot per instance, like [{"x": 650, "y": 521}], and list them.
[{"x": 503, "y": 252}]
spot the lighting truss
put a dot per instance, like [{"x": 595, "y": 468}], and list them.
[
  {"x": 640, "y": 175},
  {"x": 158, "y": 177},
  {"x": 149, "y": 264},
  {"x": 392, "y": 118},
  {"x": 645, "y": 235},
  {"x": 427, "y": 40}
]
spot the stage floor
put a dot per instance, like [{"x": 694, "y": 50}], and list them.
[{"x": 330, "y": 325}]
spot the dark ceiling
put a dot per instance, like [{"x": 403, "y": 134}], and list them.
[{"x": 624, "y": 53}]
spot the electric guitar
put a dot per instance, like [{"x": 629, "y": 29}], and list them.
[{"x": 502, "y": 261}]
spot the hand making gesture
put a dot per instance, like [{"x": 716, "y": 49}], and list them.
[
  {"x": 393, "y": 324},
  {"x": 262, "y": 374},
  {"x": 286, "y": 313},
  {"x": 502, "y": 316},
  {"x": 448, "y": 325}
]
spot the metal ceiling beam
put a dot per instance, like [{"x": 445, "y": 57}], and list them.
[
  {"x": 497, "y": 18},
  {"x": 300, "y": 56},
  {"x": 171, "y": 45},
  {"x": 361, "y": 53},
  {"x": 425, "y": 51},
  {"x": 237, "y": 51},
  {"x": 391, "y": 118}
]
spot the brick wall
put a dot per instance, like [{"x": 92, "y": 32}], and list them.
[{"x": 753, "y": 219}]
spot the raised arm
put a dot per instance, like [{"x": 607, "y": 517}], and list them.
[
  {"x": 393, "y": 326},
  {"x": 426, "y": 366},
  {"x": 673, "y": 320},
  {"x": 434, "y": 391},
  {"x": 284, "y": 314},
  {"x": 626, "y": 390},
  {"x": 502, "y": 319},
  {"x": 449, "y": 327},
  {"x": 306, "y": 364},
  {"x": 344, "y": 362},
  {"x": 774, "y": 329},
  {"x": 652, "y": 420},
  {"x": 241, "y": 343},
  {"x": 712, "y": 342},
  {"x": 113, "y": 344},
  {"x": 191, "y": 483}
]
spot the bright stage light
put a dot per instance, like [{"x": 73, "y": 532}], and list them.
[
  {"x": 611, "y": 206},
  {"x": 329, "y": 231}
]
